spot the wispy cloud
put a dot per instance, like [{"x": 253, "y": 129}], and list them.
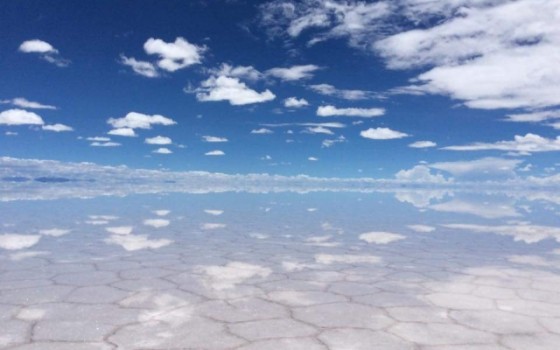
[
  {"x": 25, "y": 103},
  {"x": 331, "y": 111},
  {"x": 530, "y": 143}
]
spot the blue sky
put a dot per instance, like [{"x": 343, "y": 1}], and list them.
[{"x": 384, "y": 75}]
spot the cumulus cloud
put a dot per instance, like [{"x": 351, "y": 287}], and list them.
[
  {"x": 24, "y": 103},
  {"x": 329, "y": 111},
  {"x": 422, "y": 144},
  {"x": 382, "y": 134},
  {"x": 420, "y": 174},
  {"x": 98, "y": 139},
  {"x": 134, "y": 120},
  {"x": 215, "y": 153},
  {"x": 333, "y": 125},
  {"x": 57, "y": 128},
  {"x": 162, "y": 150},
  {"x": 262, "y": 131},
  {"x": 293, "y": 73},
  {"x": 330, "y": 90},
  {"x": 143, "y": 68},
  {"x": 174, "y": 55},
  {"x": 312, "y": 159},
  {"x": 530, "y": 143},
  {"x": 231, "y": 89},
  {"x": 294, "y": 102},
  {"x": 20, "y": 117},
  {"x": 45, "y": 50},
  {"x": 158, "y": 140},
  {"x": 126, "y": 132},
  {"x": 207, "y": 138},
  {"x": 242, "y": 72}
]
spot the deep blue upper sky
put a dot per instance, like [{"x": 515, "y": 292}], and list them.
[{"x": 434, "y": 77}]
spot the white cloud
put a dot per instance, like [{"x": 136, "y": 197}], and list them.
[
  {"x": 12, "y": 241},
  {"x": 24, "y": 103},
  {"x": 317, "y": 130},
  {"x": 98, "y": 139},
  {"x": 54, "y": 232},
  {"x": 330, "y": 142},
  {"x": 36, "y": 46},
  {"x": 214, "y": 139},
  {"x": 162, "y": 212},
  {"x": 158, "y": 140},
  {"x": 215, "y": 153},
  {"x": 143, "y": 68},
  {"x": 382, "y": 134},
  {"x": 533, "y": 117},
  {"x": 156, "y": 223},
  {"x": 380, "y": 237},
  {"x": 231, "y": 89},
  {"x": 482, "y": 209},
  {"x": 422, "y": 144},
  {"x": 312, "y": 159},
  {"x": 134, "y": 120},
  {"x": 20, "y": 117},
  {"x": 126, "y": 132},
  {"x": 293, "y": 102},
  {"x": 420, "y": 174},
  {"x": 104, "y": 144},
  {"x": 329, "y": 111},
  {"x": 510, "y": 63},
  {"x": 530, "y": 143},
  {"x": 293, "y": 73},
  {"x": 421, "y": 228},
  {"x": 46, "y": 51},
  {"x": 490, "y": 54},
  {"x": 162, "y": 150},
  {"x": 214, "y": 212},
  {"x": 137, "y": 242},
  {"x": 326, "y": 125},
  {"x": 119, "y": 230},
  {"x": 242, "y": 72},
  {"x": 261, "y": 131},
  {"x": 330, "y": 90},
  {"x": 357, "y": 21},
  {"x": 489, "y": 166},
  {"x": 57, "y": 128},
  {"x": 174, "y": 55}
]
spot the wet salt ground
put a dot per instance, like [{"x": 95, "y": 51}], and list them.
[{"x": 284, "y": 271}]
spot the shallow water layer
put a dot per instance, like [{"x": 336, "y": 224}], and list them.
[{"x": 400, "y": 270}]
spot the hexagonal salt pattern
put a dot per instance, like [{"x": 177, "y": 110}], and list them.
[{"x": 147, "y": 272}]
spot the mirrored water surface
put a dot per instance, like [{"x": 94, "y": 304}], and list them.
[{"x": 401, "y": 269}]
